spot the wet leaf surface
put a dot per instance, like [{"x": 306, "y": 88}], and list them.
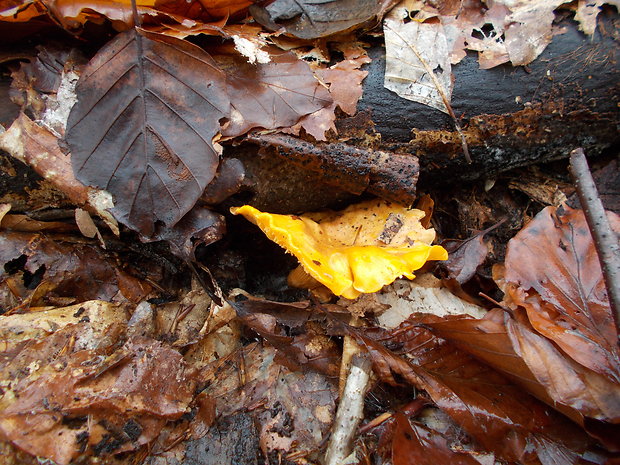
[
  {"x": 166, "y": 369},
  {"x": 311, "y": 349},
  {"x": 307, "y": 19},
  {"x": 138, "y": 84},
  {"x": 104, "y": 399},
  {"x": 552, "y": 270},
  {"x": 530, "y": 360},
  {"x": 269, "y": 95},
  {"x": 293, "y": 410},
  {"x": 68, "y": 269},
  {"x": 480, "y": 400},
  {"x": 420, "y": 445}
]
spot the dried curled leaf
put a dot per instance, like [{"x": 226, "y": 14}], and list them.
[
  {"x": 417, "y": 60},
  {"x": 357, "y": 250}
]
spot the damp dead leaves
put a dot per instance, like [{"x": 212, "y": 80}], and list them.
[
  {"x": 97, "y": 379},
  {"x": 73, "y": 15},
  {"x": 138, "y": 84},
  {"x": 46, "y": 270},
  {"x": 77, "y": 385},
  {"x": 553, "y": 272},
  {"x": 142, "y": 81},
  {"x": 424, "y": 39},
  {"x": 292, "y": 411},
  {"x": 497, "y": 415}
]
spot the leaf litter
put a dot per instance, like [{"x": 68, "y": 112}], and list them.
[{"x": 123, "y": 364}]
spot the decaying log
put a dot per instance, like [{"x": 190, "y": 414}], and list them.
[{"x": 567, "y": 98}]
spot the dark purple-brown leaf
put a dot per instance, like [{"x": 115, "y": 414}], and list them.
[
  {"x": 148, "y": 109},
  {"x": 309, "y": 19},
  {"x": 269, "y": 95}
]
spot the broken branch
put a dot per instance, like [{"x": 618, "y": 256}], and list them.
[{"x": 605, "y": 240}]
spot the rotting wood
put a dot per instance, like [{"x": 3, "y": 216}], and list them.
[{"x": 511, "y": 116}]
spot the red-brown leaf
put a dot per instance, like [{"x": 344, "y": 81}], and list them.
[
  {"x": 270, "y": 95},
  {"x": 500, "y": 416},
  {"x": 533, "y": 362},
  {"x": 552, "y": 270},
  {"x": 419, "y": 445}
]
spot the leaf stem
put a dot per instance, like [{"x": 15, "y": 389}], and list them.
[
  {"x": 605, "y": 239},
  {"x": 137, "y": 22}
]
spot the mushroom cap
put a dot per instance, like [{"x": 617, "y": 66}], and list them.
[{"x": 354, "y": 251}]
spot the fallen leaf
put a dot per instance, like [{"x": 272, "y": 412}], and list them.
[
  {"x": 309, "y": 349},
  {"x": 72, "y": 269},
  {"x": 17, "y": 329},
  {"x": 417, "y": 63},
  {"x": 138, "y": 84},
  {"x": 532, "y": 19},
  {"x": 127, "y": 395},
  {"x": 360, "y": 249},
  {"x": 294, "y": 411},
  {"x": 200, "y": 226},
  {"x": 24, "y": 223},
  {"x": 419, "y": 445},
  {"x": 553, "y": 271},
  {"x": 533, "y": 362},
  {"x": 345, "y": 81},
  {"x": 465, "y": 256},
  {"x": 423, "y": 295},
  {"x": 495, "y": 413},
  {"x": 588, "y": 11},
  {"x": 73, "y": 13},
  {"x": 308, "y": 19},
  {"x": 87, "y": 226},
  {"x": 227, "y": 181},
  {"x": 269, "y": 95},
  {"x": 180, "y": 323}
]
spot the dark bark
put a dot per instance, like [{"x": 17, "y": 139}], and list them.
[{"x": 511, "y": 117}]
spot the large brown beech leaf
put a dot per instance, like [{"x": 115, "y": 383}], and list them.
[
  {"x": 148, "y": 109},
  {"x": 552, "y": 270}
]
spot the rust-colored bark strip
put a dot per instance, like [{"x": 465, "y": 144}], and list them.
[
  {"x": 605, "y": 240},
  {"x": 388, "y": 175}
]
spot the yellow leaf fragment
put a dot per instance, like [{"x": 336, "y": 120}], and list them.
[{"x": 358, "y": 250}]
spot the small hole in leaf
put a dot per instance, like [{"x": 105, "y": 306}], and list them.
[
  {"x": 488, "y": 30},
  {"x": 15, "y": 265},
  {"x": 32, "y": 280}
]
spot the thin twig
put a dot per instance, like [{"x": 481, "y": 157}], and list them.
[
  {"x": 605, "y": 239},
  {"x": 350, "y": 411},
  {"x": 440, "y": 90}
]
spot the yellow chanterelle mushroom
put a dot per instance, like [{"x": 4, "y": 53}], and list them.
[{"x": 354, "y": 251}]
